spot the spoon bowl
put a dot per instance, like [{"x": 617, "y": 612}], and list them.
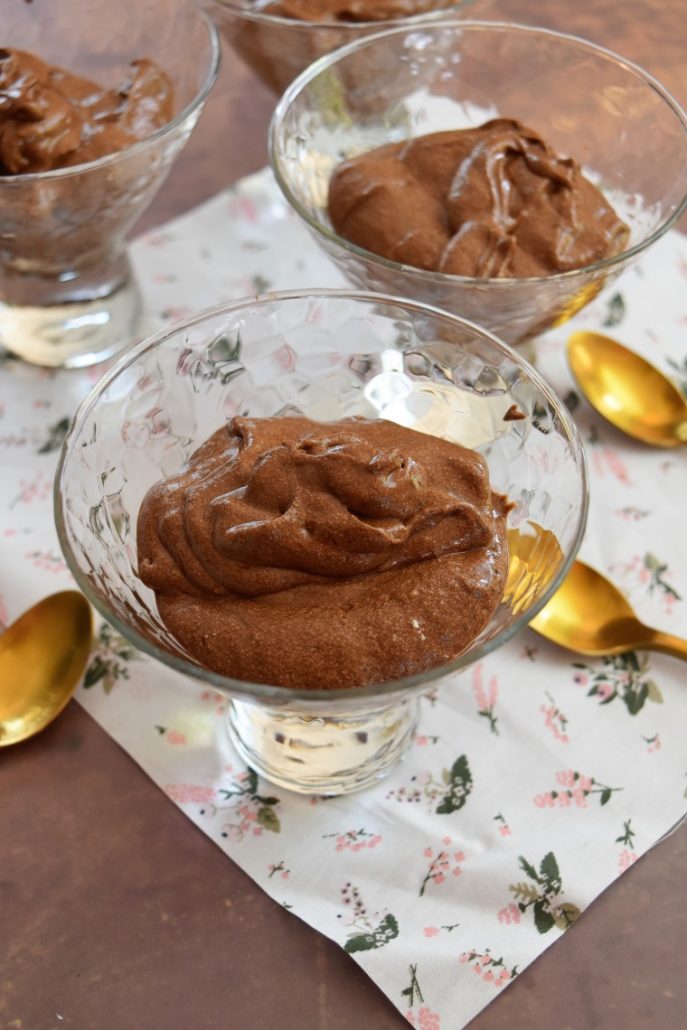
[
  {"x": 42, "y": 657},
  {"x": 629, "y": 392},
  {"x": 588, "y": 614}
]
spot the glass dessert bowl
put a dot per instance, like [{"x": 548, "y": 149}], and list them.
[
  {"x": 68, "y": 296},
  {"x": 279, "y": 48},
  {"x": 328, "y": 355},
  {"x": 587, "y": 104}
]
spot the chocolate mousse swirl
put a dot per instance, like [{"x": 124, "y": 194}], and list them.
[
  {"x": 490, "y": 202},
  {"x": 350, "y": 10},
  {"x": 324, "y": 554},
  {"x": 50, "y": 118}
]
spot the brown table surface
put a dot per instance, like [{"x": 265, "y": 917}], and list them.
[{"x": 116, "y": 913}]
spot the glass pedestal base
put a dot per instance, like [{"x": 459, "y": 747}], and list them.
[{"x": 318, "y": 753}]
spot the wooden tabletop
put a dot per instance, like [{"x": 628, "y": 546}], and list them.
[{"x": 116, "y": 913}]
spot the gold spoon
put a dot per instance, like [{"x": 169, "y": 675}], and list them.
[
  {"x": 589, "y": 614},
  {"x": 42, "y": 657},
  {"x": 627, "y": 390}
]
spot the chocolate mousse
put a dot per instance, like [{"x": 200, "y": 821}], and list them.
[
  {"x": 490, "y": 202},
  {"x": 350, "y": 10},
  {"x": 322, "y": 555},
  {"x": 51, "y": 118}
]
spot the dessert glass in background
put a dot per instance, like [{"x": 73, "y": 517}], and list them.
[
  {"x": 67, "y": 292},
  {"x": 620, "y": 125},
  {"x": 326, "y": 355},
  {"x": 278, "y": 49}
]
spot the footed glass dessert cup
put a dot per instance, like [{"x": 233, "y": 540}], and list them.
[
  {"x": 278, "y": 49},
  {"x": 327, "y": 355},
  {"x": 625, "y": 131},
  {"x": 68, "y": 295}
]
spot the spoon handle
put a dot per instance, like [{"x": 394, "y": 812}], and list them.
[{"x": 676, "y": 647}]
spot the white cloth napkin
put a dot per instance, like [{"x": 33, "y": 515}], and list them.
[{"x": 534, "y": 780}]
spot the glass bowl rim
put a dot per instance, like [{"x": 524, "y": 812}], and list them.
[
  {"x": 443, "y": 278},
  {"x": 27, "y": 178},
  {"x": 270, "y": 693},
  {"x": 278, "y": 20}
]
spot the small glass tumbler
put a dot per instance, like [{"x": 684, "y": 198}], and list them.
[
  {"x": 627, "y": 133},
  {"x": 68, "y": 296},
  {"x": 278, "y": 49},
  {"x": 327, "y": 355}
]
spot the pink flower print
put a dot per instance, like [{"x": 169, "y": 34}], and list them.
[
  {"x": 626, "y": 859},
  {"x": 354, "y": 840},
  {"x": 605, "y": 459},
  {"x": 492, "y": 970},
  {"x": 135, "y": 433},
  {"x": 278, "y": 867},
  {"x": 285, "y": 358},
  {"x": 576, "y": 788},
  {"x": 485, "y": 697},
  {"x": 426, "y": 1019},
  {"x": 46, "y": 561},
  {"x": 439, "y": 866},
  {"x": 243, "y": 208},
  {"x": 504, "y": 828},
  {"x": 545, "y": 800},
  {"x": 421, "y": 741},
  {"x": 190, "y": 793},
  {"x": 315, "y": 314},
  {"x": 431, "y": 931},
  {"x": 580, "y": 679},
  {"x": 604, "y": 691},
  {"x": 509, "y": 914},
  {"x": 554, "y": 720},
  {"x": 36, "y": 489},
  {"x": 175, "y": 738},
  {"x": 653, "y": 742}
]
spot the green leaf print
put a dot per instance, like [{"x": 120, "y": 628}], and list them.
[
  {"x": 95, "y": 672},
  {"x": 615, "y": 311},
  {"x": 635, "y": 697},
  {"x": 252, "y": 781},
  {"x": 528, "y": 868},
  {"x": 624, "y": 676},
  {"x": 225, "y": 348},
  {"x": 268, "y": 819},
  {"x": 542, "y": 896},
  {"x": 543, "y": 920},
  {"x": 460, "y": 787},
  {"x": 385, "y": 932},
  {"x": 549, "y": 872},
  {"x": 56, "y": 434}
]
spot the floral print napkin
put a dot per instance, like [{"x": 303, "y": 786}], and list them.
[{"x": 535, "y": 778}]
